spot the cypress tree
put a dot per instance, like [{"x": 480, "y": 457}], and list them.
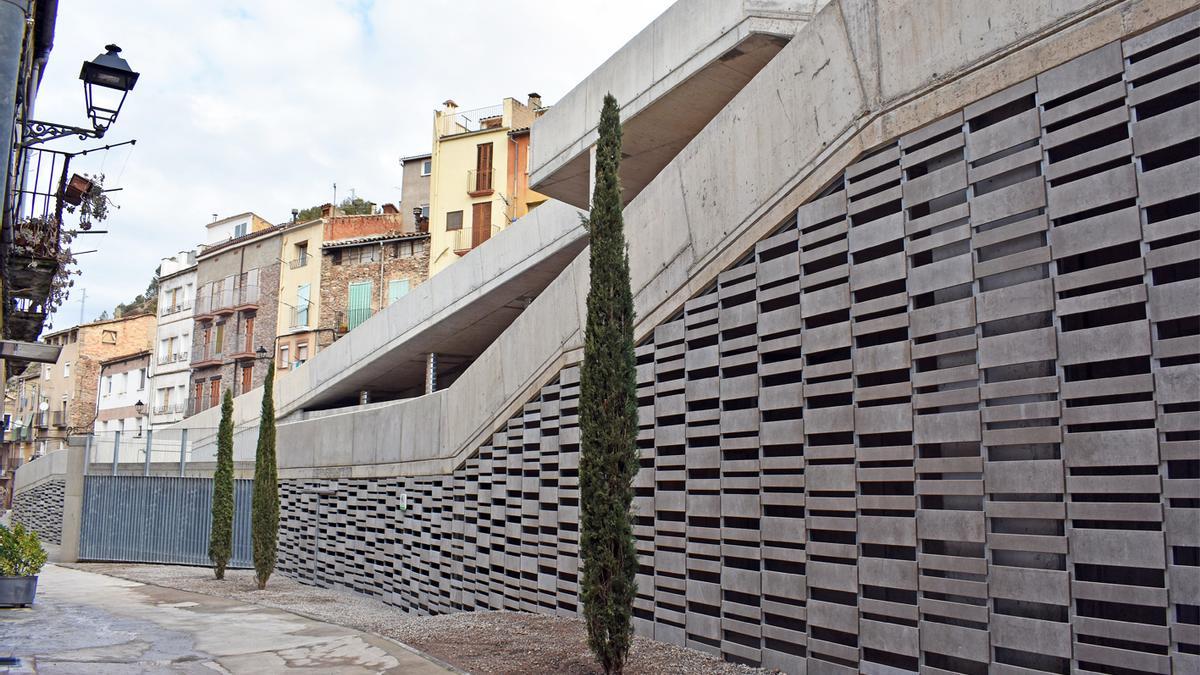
[
  {"x": 220, "y": 538},
  {"x": 608, "y": 457},
  {"x": 264, "y": 510}
]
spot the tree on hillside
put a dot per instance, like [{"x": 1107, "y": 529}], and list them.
[
  {"x": 220, "y": 538},
  {"x": 608, "y": 457},
  {"x": 264, "y": 508}
]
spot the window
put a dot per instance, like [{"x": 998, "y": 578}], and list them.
[
  {"x": 367, "y": 254},
  {"x": 66, "y": 370},
  {"x": 481, "y": 223},
  {"x": 247, "y": 378},
  {"x": 360, "y": 303},
  {"x": 301, "y": 353},
  {"x": 302, "y": 292},
  {"x": 335, "y": 256},
  {"x": 108, "y": 337},
  {"x": 141, "y": 379},
  {"x": 49, "y": 372},
  {"x": 483, "y": 167},
  {"x": 301, "y": 258},
  {"x": 239, "y": 230},
  {"x": 427, "y": 167},
  {"x": 198, "y": 403},
  {"x": 454, "y": 220},
  {"x": 214, "y": 392},
  {"x": 425, "y": 212},
  {"x": 283, "y": 357},
  {"x": 249, "y": 326},
  {"x": 397, "y": 288},
  {"x": 220, "y": 339}
]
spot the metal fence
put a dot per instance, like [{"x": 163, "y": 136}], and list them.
[{"x": 158, "y": 519}]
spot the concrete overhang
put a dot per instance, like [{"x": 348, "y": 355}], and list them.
[
  {"x": 671, "y": 79},
  {"x": 456, "y": 313}
]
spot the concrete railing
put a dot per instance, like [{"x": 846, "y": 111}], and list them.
[{"x": 40, "y": 469}]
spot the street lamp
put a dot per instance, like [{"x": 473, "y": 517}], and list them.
[
  {"x": 107, "y": 79},
  {"x": 140, "y": 408},
  {"x": 260, "y": 353}
]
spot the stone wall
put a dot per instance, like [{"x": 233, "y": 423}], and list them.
[
  {"x": 40, "y": 508},
  {"x": 942, "y": 418},
  {"x": 336, "y": 278}
]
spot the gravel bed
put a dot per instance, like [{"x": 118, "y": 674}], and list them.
[{"x": 477, "y": 642}]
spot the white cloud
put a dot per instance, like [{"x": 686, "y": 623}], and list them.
[{"x": 262, "y": 106}]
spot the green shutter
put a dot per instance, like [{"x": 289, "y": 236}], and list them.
[
  {"x": 360, "y": 303},
  {"x": 397, "y": 288}
]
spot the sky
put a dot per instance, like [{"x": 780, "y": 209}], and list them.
[{"x": 263, "y": 105}]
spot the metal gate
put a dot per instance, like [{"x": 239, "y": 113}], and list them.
[{"x": 158, "y": 519}]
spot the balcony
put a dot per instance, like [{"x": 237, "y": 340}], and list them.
[
  {"x": 298, "y": 262},
  {"x": 467, "y": 121},
  {"x": 176, "y": 308},
  {"x": 300, "y": 316},
  {"x": 245, "y": 298},
  {"x": 169, "y": 408},
  {"x": 207, "y": 355},
  {"x": 58, "y": 419},
  {"x": 470, "y": 237},
  {"x": 167, "y": 359},
  {"x": 479, "y": 182}
]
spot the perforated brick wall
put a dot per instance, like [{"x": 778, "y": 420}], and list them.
[
  {"x": 40, "y": 508},
  {"x": 947, "y": 419}
]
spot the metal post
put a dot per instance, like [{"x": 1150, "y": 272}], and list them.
[
  {"x": 116, "y": 450},
  {"x": 182, "y": 452},
  {"x": 149, "y": 440},
  {"x": 87, "y": 452},
  {"x": 431, "y": 364}
]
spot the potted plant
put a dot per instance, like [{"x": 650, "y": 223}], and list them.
[{"x": 21, "y": 558}]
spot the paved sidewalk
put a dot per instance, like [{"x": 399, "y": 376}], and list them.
[{"x": 95, "y": 624}]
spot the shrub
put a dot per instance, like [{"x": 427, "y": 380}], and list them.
[
  {"x": 21, "y": 552},
  {"x": 220, "y": 538},
  {"x": 264, "y": 509}
]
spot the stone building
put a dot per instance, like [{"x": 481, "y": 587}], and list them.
[
  {"x": 366, "y": 264},
  {"x": 237, "y": 284},
  {"x": 68, "y": 387},
  {"x": 122, "y": 394},
  {"x": 170, "y": 376}
]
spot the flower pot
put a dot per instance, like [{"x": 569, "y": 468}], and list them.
[
  {"x": 16, "y": 591},
  {"x": 76, "y": 188}
]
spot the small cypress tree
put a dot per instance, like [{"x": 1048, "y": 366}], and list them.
[
  {"x": 265, "y": 504},
  {"x": 220, "y": 538},
  {"x": 608, "y": 457}
]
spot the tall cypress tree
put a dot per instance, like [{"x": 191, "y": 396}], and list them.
[
  {"x": 220, "y": 538},
  {"x": 608, "y": 457},
  {"x": 265, "y": 504}
]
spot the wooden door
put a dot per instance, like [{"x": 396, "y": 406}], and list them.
[
  {"x": 249, "y": 328},
  {"x": 247, "y": 378},
  {"x": 481, "y": 223}
]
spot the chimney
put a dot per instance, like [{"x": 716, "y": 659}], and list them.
[
  {"x": 390, "y": 209},
  {"x": 450, "y": 105},
  {"x": 535, "y": 100},
  {"x": 327, "y": 210}
]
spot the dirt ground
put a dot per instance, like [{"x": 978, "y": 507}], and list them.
[{"x": 476, "y": 642}]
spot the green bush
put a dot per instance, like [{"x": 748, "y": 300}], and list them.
[
  {"x": 264, "y": 504},
  {"x": 220, "y": 538},
  {"x": 21, "y": 552}
]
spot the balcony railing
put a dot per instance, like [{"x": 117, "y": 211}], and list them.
[
  {"x": 167, "y": 359},
  {"x": 300, "y": 315},
  {"x": 169, "y": 408},
  {"x": 466, "y": 239},
  {"x": 168, "y": 310},
  {"x": 479, "y": 181},
  {"x": 226, "y": 299},
  {"x": 58, "y": 419},
  {"x": 473, "y": 120},
  {"x": 298, "y": 261}
]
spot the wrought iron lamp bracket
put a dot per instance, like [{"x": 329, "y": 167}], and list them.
[{"x": 39, "y": 132}]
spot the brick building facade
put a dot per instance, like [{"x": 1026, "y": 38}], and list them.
[
  {"x": 237, "y": 285},
  {"x": 362, "y": 274}
]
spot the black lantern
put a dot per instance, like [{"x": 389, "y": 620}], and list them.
[
  {"x": 261, "y": 352},
  {"x": 140, "y": 407},
  {"x": 107, "y": 79}
]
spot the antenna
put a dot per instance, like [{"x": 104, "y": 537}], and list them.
[
  {"x": 335, "y": 194},
  {"x": 82, "y": 303}
]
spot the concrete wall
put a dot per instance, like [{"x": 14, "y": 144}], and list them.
[{"x": 934, "y": 386}]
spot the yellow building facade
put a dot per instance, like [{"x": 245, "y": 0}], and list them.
[
  {"x": 300, "y": 291},
  {"x": 479, "y": 176}
]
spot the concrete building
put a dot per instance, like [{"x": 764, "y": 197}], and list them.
[
  {"x": 918, "y": 366},
  {"x": 237, "y": 282},
  {"x": 170, "y": 363},
  {"x": 299, "y": 298},
  {"x": 473, "y": 188},
  {"x": 414, "y": 191},
  {"x": 121, "y": 395}
]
